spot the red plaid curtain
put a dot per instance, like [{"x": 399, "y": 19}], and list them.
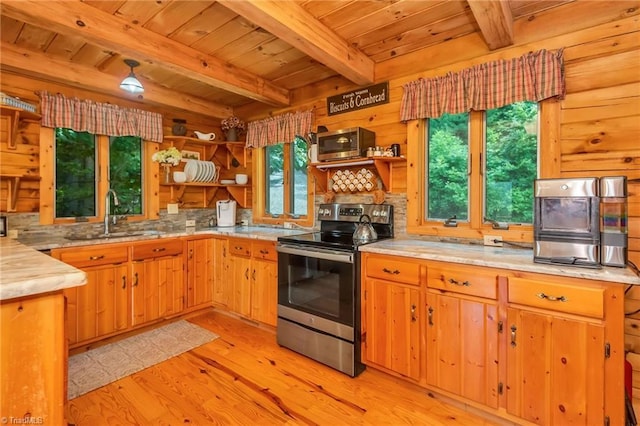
[
  {"x": 531, "y": 77},
  {"x": 98, "y": 118},
  {"x": 278, "y": 129}
]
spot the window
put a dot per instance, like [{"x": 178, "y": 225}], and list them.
[
  {"x": 478, "y": 169},
  {"x": 283, "y": 175},
  {"x": 88, "y": 165}
]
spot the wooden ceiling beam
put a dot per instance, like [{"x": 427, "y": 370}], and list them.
[
  {"x": 495, "y": 21},
  {"x": 61, "y": 71},
  {"x": 75, "y": 18},
  {"x": 291, "y": 23}
]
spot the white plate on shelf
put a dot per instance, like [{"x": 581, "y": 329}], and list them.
[
  {"x": 227, "y": 181},
  {"x": 190, "y": 169}
]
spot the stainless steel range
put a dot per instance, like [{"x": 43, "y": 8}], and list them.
[{"x": 319, "y": 285}]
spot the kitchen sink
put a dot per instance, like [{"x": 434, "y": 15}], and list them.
[{"x": 111, "y": 235}]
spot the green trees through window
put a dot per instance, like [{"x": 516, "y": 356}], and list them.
[
  {"x": 77, "y": 162},
  {"x": 509, "y": 166}
]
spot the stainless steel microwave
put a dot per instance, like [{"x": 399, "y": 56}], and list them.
[{"x": 345, "y": 144}]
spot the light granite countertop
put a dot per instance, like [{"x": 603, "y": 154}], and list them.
[
  {"x": 47, "y": 242},
  {"x": 26, "y": 272},
  {"x": 498, "y": 257}
]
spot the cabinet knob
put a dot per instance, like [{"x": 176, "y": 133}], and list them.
[
  {"x": 413, "y": 313},
  {"x": 513, "y": 335},
  {"x": 96, "y": 257},
  {"x": 389, "y": 271},
  {"x": 430, "y": 315}
]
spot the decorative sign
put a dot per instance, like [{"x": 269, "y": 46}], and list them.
[{"x": 359, "y": 99}]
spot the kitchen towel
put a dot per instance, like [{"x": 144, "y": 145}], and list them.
[{"x": 105, "y": 364}]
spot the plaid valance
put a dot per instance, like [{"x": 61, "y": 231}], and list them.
[
  {"x": 278, "y": 129},
  {"x": 531, "y": 77},
  {"x": 99, "y": 118}
]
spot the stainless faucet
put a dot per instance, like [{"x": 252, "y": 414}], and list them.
[{"x": 107, "y": 209}]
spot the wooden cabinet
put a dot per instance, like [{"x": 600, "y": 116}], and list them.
[
  {"x": 392, "y": 315},
  {"x": 264, "y": 283},
  {"x": 462, "y": 332},
  {"x": 128, "y": 285},
  {"x": 99, "y": 308},
  {"x": 33, "y": 359},
  {"x": 158, "y": 280},
  {"x": 563, "y": 360},
  {"x": 222, "y": 282},
  {"x": 254, "y": 270},
  {"x": 200, "y": 257},
  {"x": 523, "y": 346}
]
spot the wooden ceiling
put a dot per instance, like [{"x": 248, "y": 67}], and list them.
[{"x": 210, "y": 57}]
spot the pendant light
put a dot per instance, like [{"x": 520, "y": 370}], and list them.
[{"x": 131, "y": 83}]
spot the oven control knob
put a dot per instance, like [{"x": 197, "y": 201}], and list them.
[
  {"x": 383, "y": 213},
  {"x": 376, "y": 213}
]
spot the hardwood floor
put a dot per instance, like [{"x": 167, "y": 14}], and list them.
[{"x": 245, "y": 378}]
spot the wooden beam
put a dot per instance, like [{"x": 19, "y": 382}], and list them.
[
  {"x": 77, "y": 19},
  {"x": 291, "y": 23},
  {"x": 61, "y": 71},
  {"x": 495, "y": 21}
]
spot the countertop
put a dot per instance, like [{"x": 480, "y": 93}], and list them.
[
  {"x": 26, "y": 272},
  {"x": 48, "y": 242},
  {"x": 516, "y": 259}
]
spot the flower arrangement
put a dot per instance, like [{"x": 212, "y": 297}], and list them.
[
  {"x": 168, "y": 156},
  {"x": 232, "y": 122}
]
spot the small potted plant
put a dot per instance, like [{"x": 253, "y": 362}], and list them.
[
  {"x": 167, "y": 158},
  {"x": 232, "y": 128}
]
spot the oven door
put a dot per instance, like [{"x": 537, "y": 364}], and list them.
[{"x": 316, "y": 288}]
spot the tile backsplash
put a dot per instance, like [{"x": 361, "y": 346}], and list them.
[{"x": 28, "y": 224}]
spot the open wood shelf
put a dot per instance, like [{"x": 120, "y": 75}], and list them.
[
  {"x": 16, "y": 115},
  {"x": 240, "y": 193},
  {"x": 13, "y": 186},
  {"x": 383, "y": 168}
]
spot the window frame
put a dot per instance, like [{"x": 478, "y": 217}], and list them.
[
  {"x": 260, "y": 193},
  {"x": 476, "y": 227},
  {"x": 150, "y": 181}
]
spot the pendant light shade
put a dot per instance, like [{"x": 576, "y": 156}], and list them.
[{"x": 131, "y": 84}]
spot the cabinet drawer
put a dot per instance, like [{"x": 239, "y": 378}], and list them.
[
  {"x": 265, "y": 250},
  {"x": 456, "y": 278},
  {"x": 587, "y": 301},
  {"x": 240, "y": 247},
  {"x": 393, "y": 269},
  {"x": 82, "y": 257},
  {"x": 157, "y": 248}
]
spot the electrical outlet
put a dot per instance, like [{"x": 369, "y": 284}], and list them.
[
  {"x": 493, "y": 240},
  {"x": 191, "y": 223},
  {"x": 288, "y": 225}
]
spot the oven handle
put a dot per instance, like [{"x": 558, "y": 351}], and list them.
[{"x": 316, "y": 253}]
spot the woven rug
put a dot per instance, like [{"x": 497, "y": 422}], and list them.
[{"x": 105, "y": 364}]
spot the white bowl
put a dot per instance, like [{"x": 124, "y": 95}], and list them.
[
  {"x": 242, "y": 179},
  {"x": 179, "y": 177}
]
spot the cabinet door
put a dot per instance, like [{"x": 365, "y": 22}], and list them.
[
  {"x": 264, "y": 291},
  {"x": 199, "y": 272},
  {"x": 392, "y": 316},
  {"x": 222, "y": 284},
  {"x": 462, "y": 347},
  {"x": 241, "y": 277},
  {"x": 99, "y": 307},
  {"x": 157, "y": 289},
  {"x": 555, "y": 369}
]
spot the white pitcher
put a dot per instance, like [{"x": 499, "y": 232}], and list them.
[{"x": 205, "y": 136}]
